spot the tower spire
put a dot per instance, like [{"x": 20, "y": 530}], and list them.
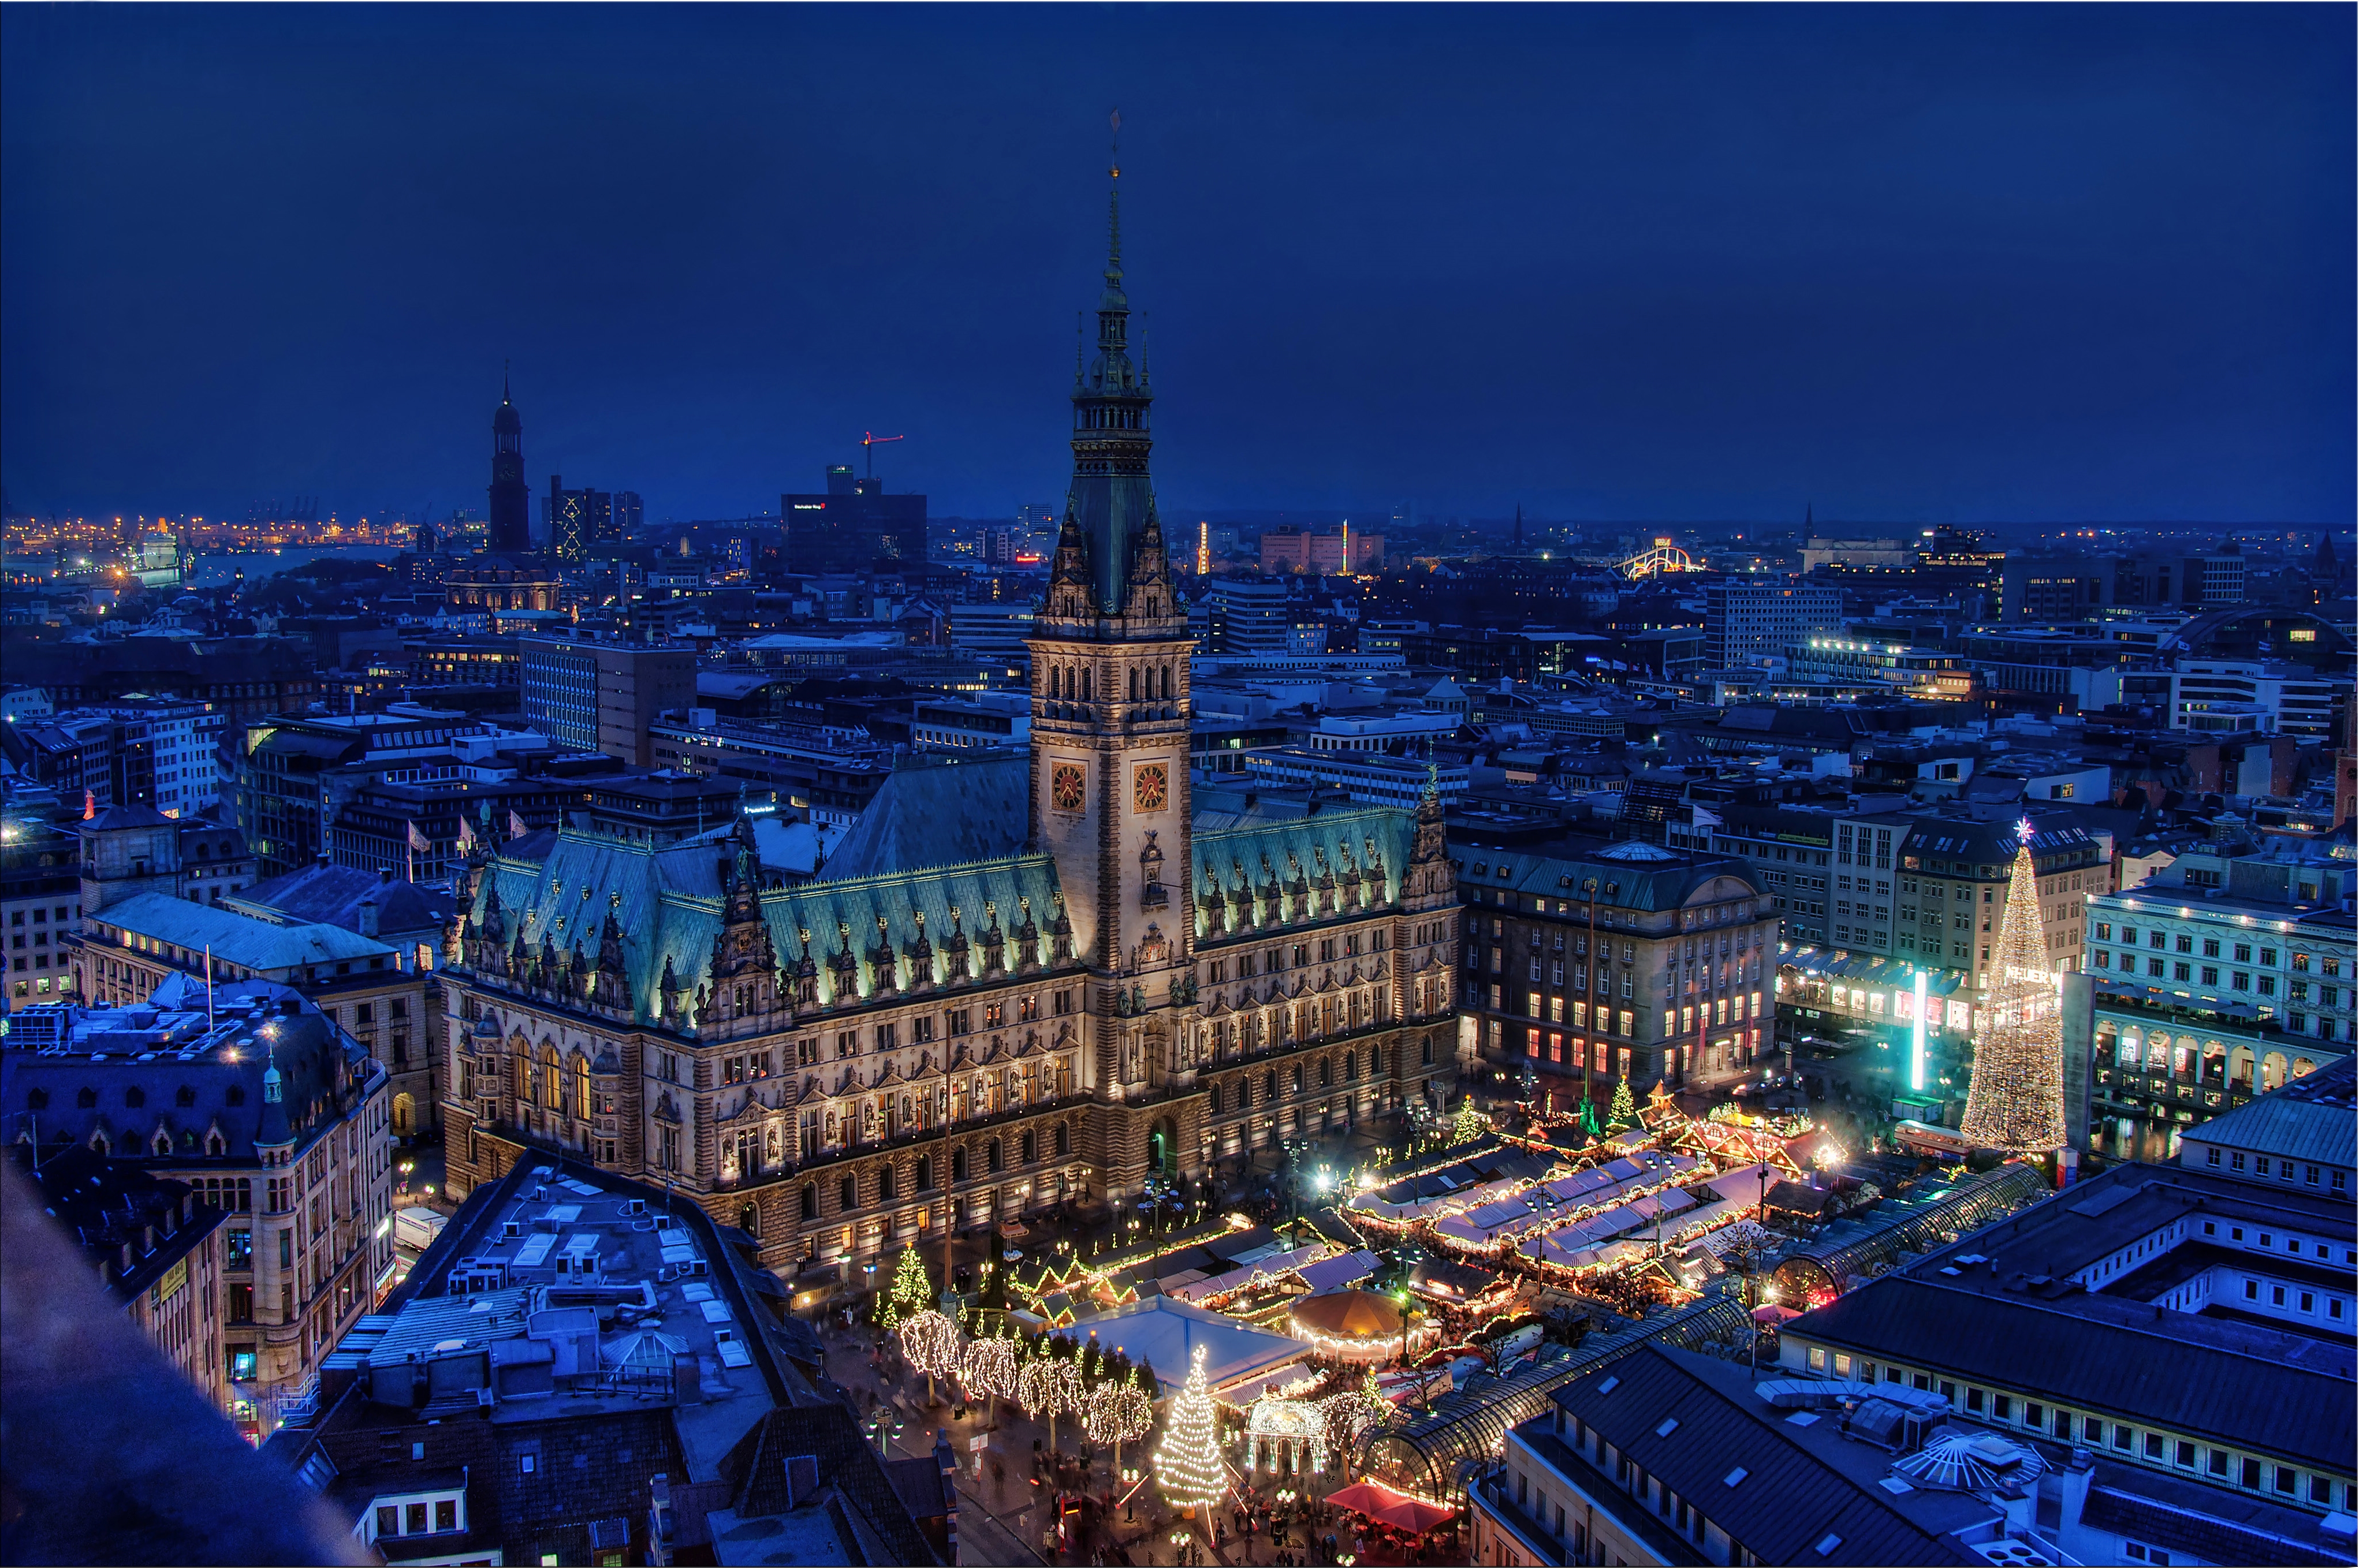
[
  {"x": 1113, "y": 201},
  {"x": 1112, "y": 502}
]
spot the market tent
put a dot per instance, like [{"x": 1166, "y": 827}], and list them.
[
  {"x": 1382, "y": 1504},
  {"x": 1352, "y": 1317}
]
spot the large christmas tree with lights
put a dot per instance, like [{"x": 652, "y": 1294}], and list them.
[
  {"x": 1188, "y": 1466},
  {"x": 2015, "y": 1101}
]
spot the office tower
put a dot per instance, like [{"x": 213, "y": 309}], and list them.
[
  {"x": 511, "y": 500},
  {"x": 1748, "y": 624},
  {"x": 602, "y": 697},
  {"x": 576, "y": 520},
  {"x": 626, "y": 515},
  {"x": 852, "y": 527},
  {"x": 1251, "y": 618}
]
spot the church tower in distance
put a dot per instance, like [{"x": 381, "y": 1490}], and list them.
[{"x": 511, "y": 499}]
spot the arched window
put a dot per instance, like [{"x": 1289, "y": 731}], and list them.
[
  {"x": 811, "y": 1200},
  {"x": 1134, "y": 684},
  {"x": 991, "y": 1157},
  {"x": 86, "y": 1099},
  {"x": 184, "y": 1096},
  {"x": 581, "y": 1087},
  {"x": 162, "y": 1144},
  {"x": 1064, "y": 1141},
  {"x": 135, "y": 1097},
  {"x": 749, "y": 1220},
  {"x": 847, "y": 1195},
  {"x": 925, "y": 1173},
  {"x": 550, "y": 1089},
  {"x": 1085, "y": 684},
  {"x": 958, "y": 1164},
  {"x": 1031, "y": 1147},
  {"x": 215, "y": 1147},
  {"x": 884, "y": 1186}
]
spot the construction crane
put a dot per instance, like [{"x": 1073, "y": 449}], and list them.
[{"x": 871, "y": 442}]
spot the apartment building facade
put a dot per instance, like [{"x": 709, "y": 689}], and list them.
[{"x": 264, "y": 1107}]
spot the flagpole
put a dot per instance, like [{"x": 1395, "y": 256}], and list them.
[{"x": 209, "y": 987}]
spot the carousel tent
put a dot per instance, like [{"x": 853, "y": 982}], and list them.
[{"x": 1359, "y": 1326}]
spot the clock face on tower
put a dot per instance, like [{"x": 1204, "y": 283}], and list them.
[
  {"x": 1151, "y": 788},
  {"x": 1068, "y": 787}
]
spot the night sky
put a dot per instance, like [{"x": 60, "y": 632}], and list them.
[{"x": 2003, "y": 264}]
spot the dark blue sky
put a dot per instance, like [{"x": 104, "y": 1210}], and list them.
[{"x": 2002, "y": 262}]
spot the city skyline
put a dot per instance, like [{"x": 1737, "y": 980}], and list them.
[{"x": 1989, "y": 267}]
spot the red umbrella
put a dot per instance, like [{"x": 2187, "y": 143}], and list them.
[{"x": 1378, "y": 1501}]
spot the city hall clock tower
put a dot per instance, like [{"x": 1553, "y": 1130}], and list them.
[{"x": 1110, "y": 730}]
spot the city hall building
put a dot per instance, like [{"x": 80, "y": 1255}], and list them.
[{"x": 1012, "y": 983}]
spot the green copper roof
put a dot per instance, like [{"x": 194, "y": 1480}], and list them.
[
  {"x": 668, "y": 902},
  {"x": 1373, "y": 841}
]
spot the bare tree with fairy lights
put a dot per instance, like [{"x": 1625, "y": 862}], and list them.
[
  {"x": 1049, "y": 1386},
  {"x": 933, "y": 1345},
  {"x": 1117, "y": 1412},
  {"x": 2016, "y": 1101},
  {"x": 988, "y": 1370}
]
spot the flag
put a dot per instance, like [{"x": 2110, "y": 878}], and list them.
[
  {"x": 517, "y": 829},
  {"x": 466, "y": 835},
  {"x": 419, "y": 841}
]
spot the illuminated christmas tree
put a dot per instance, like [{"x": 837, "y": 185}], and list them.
[
  {"x": 1623, "y": 1113},
  {"x": 2015, "y": 1101},
  {"x": 1188, "y": 1467},
  {"x": 1470, "y": 1123},
  {"x": 912, "y": 1292}
]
